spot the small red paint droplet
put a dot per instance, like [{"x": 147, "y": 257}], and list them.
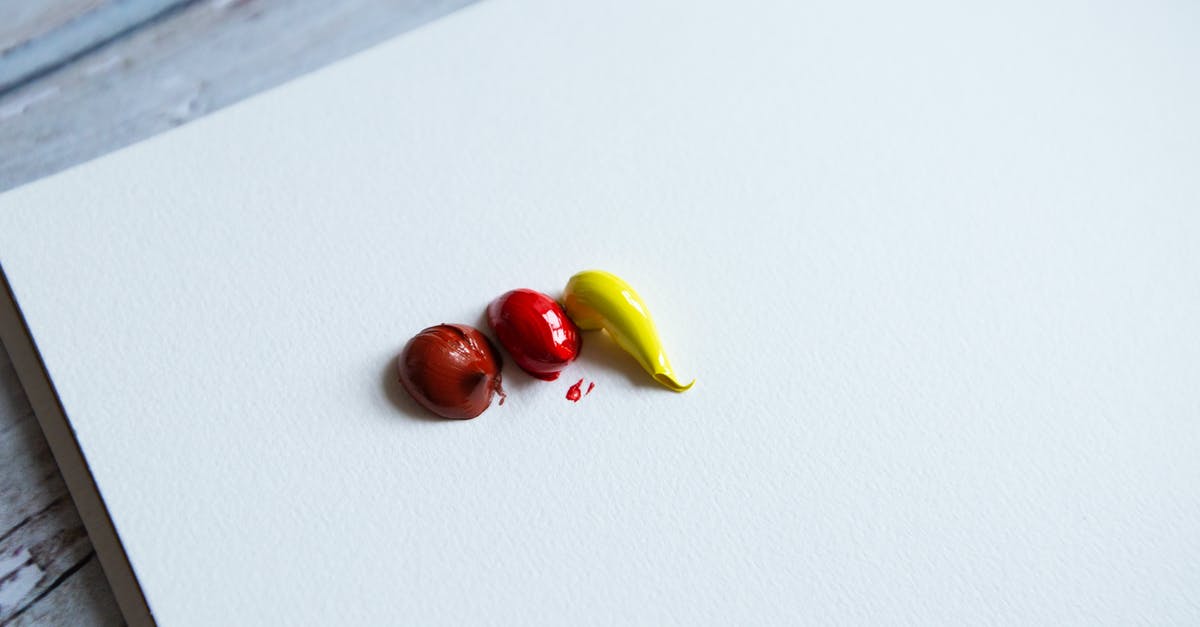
[
  {"x": 591, "y": 386},
  {"x": 573, "y": 393}
]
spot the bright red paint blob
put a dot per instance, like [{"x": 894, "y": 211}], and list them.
[
  {"x": 573, "y": 393},
  {"x": 533, "y": 328},
  {"x": 591, "y": 386}
]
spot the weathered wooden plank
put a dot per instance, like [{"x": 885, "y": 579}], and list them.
[
  {"x": 29, "y": 479},
  {"x": 33, "y": 561},
  {"x": 42, "y": 540},
  {"x": 82, "y": 599},
  {"x": 35, "y": 56},
  {"x": 24, "y": 20},
  {"x": 207, "y": 56}
]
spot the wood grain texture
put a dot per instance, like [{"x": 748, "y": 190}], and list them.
[
  {"x": 204, "y": 57},
  {"x": 167, "y": 71},
  {"x": 26, "y": 21},
  {"x": 43, "y": 542},
  {"x": 81, "y": 599},
  {"x": 29, "y": 60}
]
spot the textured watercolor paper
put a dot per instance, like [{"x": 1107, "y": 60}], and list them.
[{"x": 935, "y": 268}]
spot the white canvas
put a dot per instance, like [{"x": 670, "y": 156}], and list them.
[{"x": 934, "y": 267}]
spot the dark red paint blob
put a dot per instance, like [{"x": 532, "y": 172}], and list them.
[
  {"x": 534, "y": 330},
  {"x": 591, "y": 386},
  {"x": 452, "y": 370},
  {"x": 573, "y": 393}
]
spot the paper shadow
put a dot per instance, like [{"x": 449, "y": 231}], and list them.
[{"x": 600, "y": 350}]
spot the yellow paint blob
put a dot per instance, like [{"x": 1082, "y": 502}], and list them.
[{"x": 595, "y": 299}]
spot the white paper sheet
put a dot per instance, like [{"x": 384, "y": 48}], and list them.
[{"x": 935, "y": 267}]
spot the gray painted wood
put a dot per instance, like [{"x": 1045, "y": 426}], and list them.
[
  {"x": 81, "y": 599},
  {"x": 42, "y": 538},
  {"x": 204, "y": 57},
  {"x": 28, "y": 60},
  {"x": 105, "y": 78},
  {"x": 26, "y": 21}
]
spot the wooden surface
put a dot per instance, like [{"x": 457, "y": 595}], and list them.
[{"x": 81, "y": 78}]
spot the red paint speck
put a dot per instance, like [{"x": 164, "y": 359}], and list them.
[
  {"x": 573, "y": 393},
  {"x": 591, "y": 386}
]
